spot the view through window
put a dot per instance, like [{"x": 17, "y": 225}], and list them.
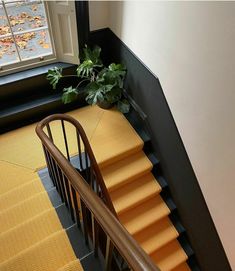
[{"x": 24, "y": 32}]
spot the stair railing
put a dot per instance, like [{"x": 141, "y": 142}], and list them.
[
  {"x": 88, "y": 202},
  {"x": 87, "y": 164}
]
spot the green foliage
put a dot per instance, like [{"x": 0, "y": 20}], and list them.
[
  {"x": 91, "y": 60},
  {"x": 69, "y": 95},
  {"x": 123, "y": 106},
  {"x": 54, "y": 76},
  {"x": 105, "y": 84}
]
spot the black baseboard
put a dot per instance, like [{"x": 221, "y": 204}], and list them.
[{"x": 145, "y": 88}]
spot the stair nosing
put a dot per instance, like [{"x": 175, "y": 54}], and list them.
[{"x": 137, "y": 203}]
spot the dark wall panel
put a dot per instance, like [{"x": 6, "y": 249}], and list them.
[{"x": 145, "y": 89}]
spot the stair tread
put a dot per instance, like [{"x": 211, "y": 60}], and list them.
[
  {"x": 72, "y": 266},
  {"x": 115, "y": 133},
  {"x": 126, "y": 170},
  {"x": 52, "y": 253},
  {"x": 12, "y": 176},
  {"x": 135, "y": 192},
  {"x": 182, "y": 267},
  {"x": 24, "y": 211},
  {"x": 145, "y": 214},
  {"x": 156, "y": 235},
  {"x": 28, "y": 233},
  {"x": 169, "y": 256},
  {"x": 20, "y": 193}
]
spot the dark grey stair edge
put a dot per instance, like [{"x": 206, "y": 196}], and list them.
[
  {"x": 74, "y": 234},
  {"x": 30, "y": 105}
]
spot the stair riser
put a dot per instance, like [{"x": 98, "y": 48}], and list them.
[
  {"x": 119, "y": 212},
  {"x": 150, "y": 252},
  {"x": 130, "y": 179},
  {"x": 155, "y": 221},
  {"x": 119, "y": 157}
]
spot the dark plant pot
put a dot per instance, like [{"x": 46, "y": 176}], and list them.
[{"x": 105, "y": 105}]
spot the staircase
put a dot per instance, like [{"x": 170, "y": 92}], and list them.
[
  {"x": 135, "y": 193},
  {"x": 31, "y": 235}
]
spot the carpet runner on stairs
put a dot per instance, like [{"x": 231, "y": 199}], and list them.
[
  {"x": 31, "y": 235},
  {"x": 135, "y": 192},
  {"x": 127, "y": 174}
]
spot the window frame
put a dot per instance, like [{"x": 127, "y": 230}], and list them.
[{"x": 37, "y": 61}]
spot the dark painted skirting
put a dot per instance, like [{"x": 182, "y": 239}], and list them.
[
  {"x": 145, "y": 88},
  {"x": 83, "y": 27}
]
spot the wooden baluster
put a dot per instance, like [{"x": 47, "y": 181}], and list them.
[
  {"x": 49, "y": 132},
  {"x": 86, "y": 166},
  {"x": 85, "y": 220},
  {"x": 65, "y": 140},
  {"x": 75, "y": 203},
  {"x": 108, "y": 254},
  {"x": 95, "y": 235},
  {"x": 79, "y": 151},
  {"x": 48, "y": 164},
  {"x": 68, "y": 196},
  {"x": 61, "y": 184}
]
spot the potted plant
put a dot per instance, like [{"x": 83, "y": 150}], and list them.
[{"x": 103, "y": 85}]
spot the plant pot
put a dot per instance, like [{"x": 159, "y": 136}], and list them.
[{"x": 105, "y": 105}]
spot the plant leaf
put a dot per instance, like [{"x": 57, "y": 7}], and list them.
[
  {"x": 69, "y": 95},
  {"x": 95, "y": 96},
  {"x": 123, "y": 106},
  {"x": 54, "y": 75},
  {"x": 114, "y": 95}
]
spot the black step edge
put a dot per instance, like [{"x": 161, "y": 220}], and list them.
[
  {"x": 153, "y": 159},
  {"x": 168, "y": 199},
  {"x": 183, "y": 240},
  {"x": 192, "y": 262},
  {"x": 136, "y": 122},
  {"x": 174, "y": 217}
]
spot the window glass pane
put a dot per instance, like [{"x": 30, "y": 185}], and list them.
[
  {"x": 8, "y": 53},
  {"x": 33, "y": 44},
  {"x": 4, "y": 27},
  {"x": 25, "y": 15}
]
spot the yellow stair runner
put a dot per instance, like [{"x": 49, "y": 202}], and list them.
[
  {"x": 127, "y": 174},
  {"x": 135, "y": 192},
  {"x": 31, "y": 235}
]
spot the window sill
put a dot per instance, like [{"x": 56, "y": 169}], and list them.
[{"x": 22, "y": 75}]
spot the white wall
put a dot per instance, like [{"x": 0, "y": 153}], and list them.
[
  {"x": 190, "y": 47},
  {"x": 99, "y": 14}
]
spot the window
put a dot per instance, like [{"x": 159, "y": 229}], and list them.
[{"x": 35, "y": 32}]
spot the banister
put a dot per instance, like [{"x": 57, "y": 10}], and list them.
[
  {"x": 128, "y": 248},
  {"x": 78, "y": 126}
]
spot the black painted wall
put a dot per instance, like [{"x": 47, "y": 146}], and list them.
[{"x": 145, "y": 88}]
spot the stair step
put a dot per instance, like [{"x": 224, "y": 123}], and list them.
[
  {"x": 169, "y": 256},
  {"x": 126, "y": 170},
  {"x": 114, "y": 132},
  {"x": 28, "y": 233},
  {"x": 24, "y": 211},
  {"x": 134, "y": 193},
  {"x": 156, "y": 235},
  {"x": 182, "y": 267},
  {"x": 134, "y": 120},
  {"x": 20, "y": 193},
  {"x": 12, "y": 176},
  {"x": 72, "y": 266},
  {"x": 52, "y": 253},
  {"x": 144, "y": 215}
]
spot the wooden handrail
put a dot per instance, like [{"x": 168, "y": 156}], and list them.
[{"x": 128, "y": 248}]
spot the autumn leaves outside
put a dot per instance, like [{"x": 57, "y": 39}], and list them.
[{"x": 23, "y": 31}]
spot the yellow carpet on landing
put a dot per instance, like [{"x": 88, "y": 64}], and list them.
[
  {"x": 31, "y": 235},
  {"x": 22, "y": 146}
]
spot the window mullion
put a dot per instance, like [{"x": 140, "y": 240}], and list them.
[{"x": 13, "y": 36}]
